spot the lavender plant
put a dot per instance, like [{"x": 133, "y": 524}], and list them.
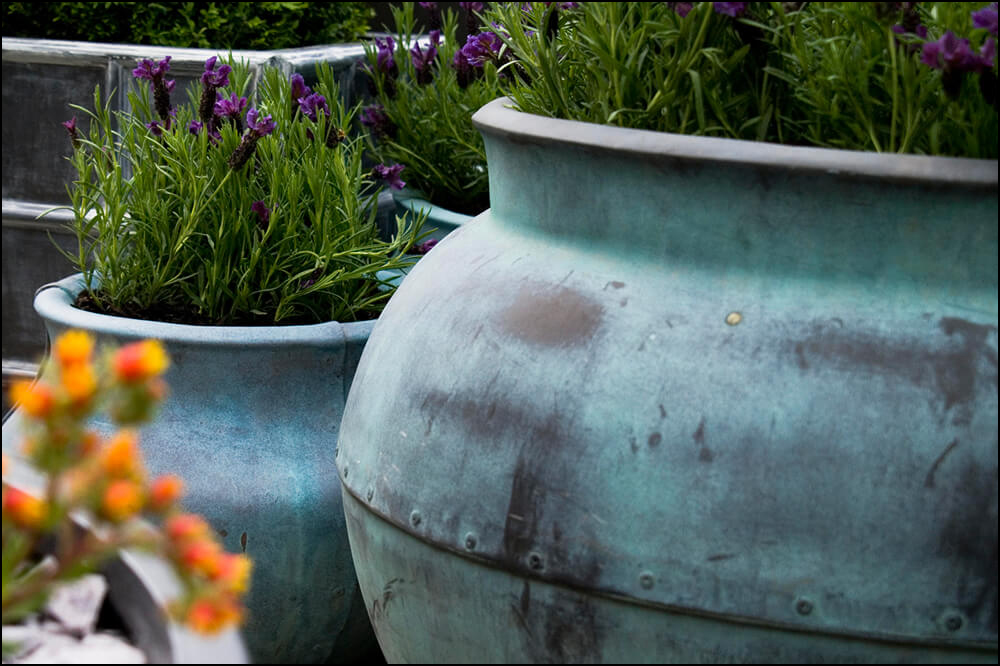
[
  {"x": 425, "y": 94},
  {"x": 879, "y": 76},
  {"x": 229, "y": 209}
]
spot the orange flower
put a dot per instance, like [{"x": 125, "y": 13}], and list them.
[
  {"x": 121, "y": 459},
  {"x": 122, "y": 500},
  {"x": 202, "y": 556},
  {"x": 80, "y": 382},
  {"x": 90, "y": 443},
  {"x": 73, "y": 348},
  {"x": 23, "y": 509},
  {"x": 35, "y": 398},
  {"x": 164, "y": 492},
  {"x": 186, "y": 527},
  {"x": 140, "y": 361},
  {"x": 234, "y": 572},
  {"x": 212, "y": 615}
]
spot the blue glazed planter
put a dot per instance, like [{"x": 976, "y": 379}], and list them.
[
  {"x": 440, "y": 221},
  {"x": 690, "y": 400},
  {"x": 250, "y": 425}
]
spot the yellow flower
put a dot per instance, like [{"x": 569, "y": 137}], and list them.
[
  {"x": 209, "y": 615},
  {"x": 73, "y": 348},
  {"x": 120, "y": 458},
  {"x": 122, "y": 500},
  {"x": 79, "y": 382},
  {"x": 234, "y": 572}
]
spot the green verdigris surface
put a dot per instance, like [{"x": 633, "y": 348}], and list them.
[{"x": 690, "y": 400}]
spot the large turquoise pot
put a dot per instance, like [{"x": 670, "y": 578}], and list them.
[
  {"x": 250, "y": 425},
  {"x": 689, "y": 400}
]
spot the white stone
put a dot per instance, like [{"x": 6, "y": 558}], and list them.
[{"x": 76, "y": 604}]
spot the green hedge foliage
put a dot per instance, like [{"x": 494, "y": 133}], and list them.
[{"x": 220, "y": 25}]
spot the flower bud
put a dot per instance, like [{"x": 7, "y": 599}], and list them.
[
  {"x": 164, "y": 492},
  {"x": 120, "y": 458},
  {"x": 122, "y": 500},
  {"x": 35, "y": 398},
  {"x": 140, "y": 361},
  {"x": 73, "y": 347},
  {"x": 22, "y": 509}
]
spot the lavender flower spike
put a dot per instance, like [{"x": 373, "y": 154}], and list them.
[
  {"x": 230, "y": 108},
  {"x": 390, "y": 175},
  {"x": 259, "y": 127},
  {"x": 986, "y": 18},
  {"x": 263, "y": 213},
  {"x": 733, "y": 9},
  {"x": 74, "y": 135},
  {"x": 161, "y": 88},
  {"x": 423, "y": 61},
  {"x": 312, "y": 104},
  {"x": 299, "y": 90},
  {"x": 211, "y": 80}
]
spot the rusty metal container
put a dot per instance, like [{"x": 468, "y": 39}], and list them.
[{"x": 689, "y": 400}]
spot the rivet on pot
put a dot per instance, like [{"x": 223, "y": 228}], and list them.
[
  {"x": 535, "y": 561},
  {"x": 470, "y": 541},
  {"x": 415, "y": 518},
  {"x": 953, "y": 621},
  {"x": 647, "y": 580},
  {"x": 371, "y": 494},
  {"x": 345, "y": 471},
  {"x": 803, "y": 606},
  {"x": 733, "y": 318}
]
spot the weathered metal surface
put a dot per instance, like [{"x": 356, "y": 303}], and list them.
[
  {"x": 691, "y": 376},
  {"x": 250, "y": 425}
]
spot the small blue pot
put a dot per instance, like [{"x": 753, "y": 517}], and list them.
[{"x": 251, "y": 426}]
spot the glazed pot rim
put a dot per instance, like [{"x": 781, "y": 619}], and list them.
[
  {"x": 54, "y": 302},
  {"x": 499, "y": 117}
]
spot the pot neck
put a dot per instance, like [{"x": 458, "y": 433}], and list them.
[{"x": 782, "y": 210}]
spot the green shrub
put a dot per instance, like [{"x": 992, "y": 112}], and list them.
[{"x": 220, "y": 25}]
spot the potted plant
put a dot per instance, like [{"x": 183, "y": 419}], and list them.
[
  {"x": 54, "y": 55},
  {"x": 425, "y": 89},
  {"x": 700, "y": 398},
  {"x": 238, "y": 229},
  {"x": 79, "y": 498}
]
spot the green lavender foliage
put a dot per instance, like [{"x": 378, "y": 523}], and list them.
[
  {"x": 223, "y": 25},
  {"x": 166, "y": 228},
  {"x": 820, "y": 74},
  {"x": 434, "y": 136}
]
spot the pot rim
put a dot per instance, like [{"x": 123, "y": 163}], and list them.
[
  {"x": 500, "y": 118},
  {"x": 54, "y": 302}
]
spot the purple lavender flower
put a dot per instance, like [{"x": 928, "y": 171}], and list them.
[
  {"x": 194, "y": 127},
  {"x": 482, "y": 47},
  {"x": 263, "y": 213},
  {"x": 161, "y": 88},
  {"x": 230, "y": 109},
  {"x": 216, "y": 79},
  {"x": 423, "y": 61},
  {"x": 471, "y": 21},
  {"x": 986, "y": 18},
  {"x": 154, "y": 127},
  {"x": 375, "y": 118},
  {"x": 733, "y": 9},
  {"x": 425, "y": 247},
  {"x": 258, "y": 127},
  {"x": 682, "y": 8},
  {"x": 312, "y": 104},
  {"x": 390, "y": 175},
  {"x": 472, "y": 6},
  {"x": 949, "y": 53},
  {"x": 211, "y": 80},
  {"x": 299, "y": 90},
  {"x": 74, "y": 135},
  {"x": 429, "y": 6},
  {"x": 384, "y": 60}
]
